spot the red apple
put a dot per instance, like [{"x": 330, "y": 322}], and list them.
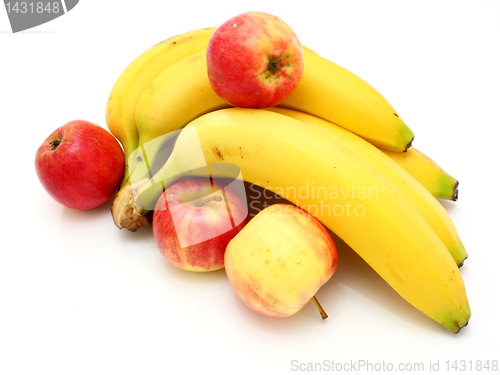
[
  {"x": 194, "y": 220},
  {"x": 254, "y": 60},
  {"x": 80, "y": 165}
]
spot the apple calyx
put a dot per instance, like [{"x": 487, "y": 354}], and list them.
[
  {"x": 275, "y": 65},
  {"x": 323, "y": 313},
  {"x": 55, "y": 143}
]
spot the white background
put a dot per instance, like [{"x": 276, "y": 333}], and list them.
[{"x": 78, "y": 296}]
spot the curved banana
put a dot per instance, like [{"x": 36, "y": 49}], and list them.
[
  {"x": 183, "y": 92},
  {"x": 418, "y": 196},
  {"x": 175, "y": 97},
  {"x": 427, "y": 172},
  {"x": 335, "y": 94},
  {"x": 120, "y": 108},
  {"x": 349, "y": 196}
]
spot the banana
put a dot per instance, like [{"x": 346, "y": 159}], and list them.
[
  {"x": 183, "y": 92},
  {"x": 349, "y": 196},
  {"x": 335, "y": 94},
  {"x": 416, "y": 194},
  {"x": 427, "y": 172},
  {"x": 175, "y": 97},
  {"x": 120, "y": 107}
]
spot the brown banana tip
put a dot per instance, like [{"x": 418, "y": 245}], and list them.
[
  {"x": 409, "y": 144},
  {"x": 461, "y": 264},
  {"x": 461, "y": 327},
  {"x": 454, "y": 197}
]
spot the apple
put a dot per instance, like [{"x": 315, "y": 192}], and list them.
[
  {"x": 280, "y": 259},
  {"x": 80, "y": 165},
  {"x": 254, "y": 60},
  {"x": 194, "y": 220}
]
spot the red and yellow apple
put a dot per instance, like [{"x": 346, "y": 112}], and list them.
[
  {"x": 80, "y": 165},
  {"x": 280, "y": 259},
  {"x": 254, "y": 60},
  {"x": 194, "y": 220}
]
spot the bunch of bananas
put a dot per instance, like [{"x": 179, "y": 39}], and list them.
[{"x": 335, "y": 131}]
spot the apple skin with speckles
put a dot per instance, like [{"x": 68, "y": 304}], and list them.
[
  {"x": 254, "y": 60},
  {"x": 80, "y": 165},
  {"x": 280, "y": 260},
  {"x": 193, "y": 221}
]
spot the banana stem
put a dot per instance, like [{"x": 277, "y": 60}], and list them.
[
  {"x": 324, "y": 315},
  {"x": 125, "y": 212}
]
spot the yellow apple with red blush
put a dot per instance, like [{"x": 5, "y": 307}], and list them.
[{"x": 280, "y": 259}]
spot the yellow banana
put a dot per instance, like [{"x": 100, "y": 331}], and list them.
[
  {"x": 120, "y": 108},
  {"x": 337, "y": 186},
  {"x": 335, "y": 94},
  {"x": 427, "y": 172},
  {"x": 183, "y": 92},
  {"x": 175, "y": 97},
  {"x": 416, "y": 194}
]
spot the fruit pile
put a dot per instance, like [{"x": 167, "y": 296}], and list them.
[{"x": 202, "y": 112}]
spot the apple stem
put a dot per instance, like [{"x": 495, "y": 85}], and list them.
[
  {"x": 324, "y": 315},
  {"x": 216, "y": 198}
]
